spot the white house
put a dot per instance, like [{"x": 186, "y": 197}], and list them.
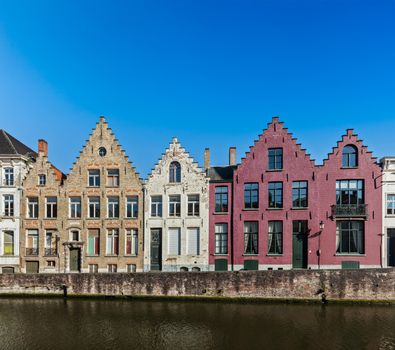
[
  {"x": 388, "y": 186},
  {"x": 176, "y": 214},
  {"x": 14, "y": 162}
]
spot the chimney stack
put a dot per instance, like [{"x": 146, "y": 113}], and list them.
[
  {"x": 206, "y": 159},
  {"x": 232, "y": 155},
  {"x": 43, "y": 147}
]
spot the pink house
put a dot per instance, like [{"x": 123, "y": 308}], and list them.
[{"x": 285, "y": 212}]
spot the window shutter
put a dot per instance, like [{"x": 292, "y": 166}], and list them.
[
  {"x": 174, "y": 241},
  {"x": 91, "y": 244},
  {"x": 193, "y": 241}
]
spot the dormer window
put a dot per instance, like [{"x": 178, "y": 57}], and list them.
[
  {"x": 175, "y": 172},
  {"x": 350, "y": 157}
]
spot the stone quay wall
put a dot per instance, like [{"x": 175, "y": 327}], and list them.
[{"x": 310, "y": 285}]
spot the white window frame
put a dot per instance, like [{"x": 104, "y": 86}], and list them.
[
  {"x": 52, "y": 205},
  {"x": 4, "y": 242},
  {"x": 173, "y": 205},
  {"x": 95, "y": 175},
  {"x": 391, "y": 201},
  {"x": 132, "y": 201},
  {"x": 113, "y": 180},
  {"x": 9, "y": 176},
  {"x": 114, "y": 205},
  {"x": 155, "y": 214},
  {"x": 132, "y": 234},
  {"x": 40, "y": 178},
  {"x": 195, "y": 251},
  {"x": 95, "y": 205},
  {"x": 195, "y": 205},
  {"x": 110, "y": 240},
  {"x": 35, "y": 208},
  {"x": 8, "y": 205},
  {"x": 73, "y": 208}
]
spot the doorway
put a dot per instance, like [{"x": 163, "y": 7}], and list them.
[
  {"x": 391, "y": 247},
  {"x": 299, "y": 244},
  {"x": 75, "y": 260},
  {"x": 156, "y": 249}
]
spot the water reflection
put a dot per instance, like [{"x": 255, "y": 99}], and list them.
[{"x": 98, "y": 324}]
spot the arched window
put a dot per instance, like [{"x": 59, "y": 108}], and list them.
[
  {"x": 350, "y": 157},
  {"x": 175, "y": 172}
]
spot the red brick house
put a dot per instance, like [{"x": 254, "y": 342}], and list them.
[{"x": 287, "y": 212}]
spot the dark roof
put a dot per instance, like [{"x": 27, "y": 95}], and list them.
[
  {"x": 10, "y": 145},
  {"x": 221, "y": 173}
]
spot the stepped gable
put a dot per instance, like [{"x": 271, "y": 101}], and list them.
[
  {"x": 101, "y": 136},
  {"x": 277, "y": 128},
  {"x": 176, "y": 152},
  {"x": 9, "y": 145},
  {"x": 350, "y": 138}
]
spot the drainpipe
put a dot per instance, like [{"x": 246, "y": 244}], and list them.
[{"x": 232, "y": 228}]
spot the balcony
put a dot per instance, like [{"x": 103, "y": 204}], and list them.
[
  {"x": 50, "y": 252},
  {"x": 349, "y": 211},
  {"x": 31, "y": 251}
]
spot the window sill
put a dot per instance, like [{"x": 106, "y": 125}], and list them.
[
  {"x": 79, "y": 218},
  {"x": 114, "y": 218},
  {"x": 111, "y": 256},
  {"x": 31, "y": 218},
  {"x": 92, "y": 218},
  {"x": 130, "y": 218},
  {"x": 92, "y": 256},
  {"x": 131, "y": 255},
  {"x": 250, "y": 209},
  {"x": 274, "y": 255},
  {"x": 250, "y": 254},
  {"x": 300, "y": 208},
  {"x": 348, "y": 168},
  {"x": 349, "y": 254},
  {"x": 216, "y": 254},
  {"x": 274, "y": 209},
  {"x": 50, "y": 218},
  {"x": 274, "y": 170},
  {"x": 92, "y": 186},
  {"x": 220, "y": 213}
]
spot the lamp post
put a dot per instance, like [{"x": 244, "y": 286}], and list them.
[{"x": 322, "y": 226}]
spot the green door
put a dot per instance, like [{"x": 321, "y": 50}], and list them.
[
  {"x": 251, "y": 265},
  {"x": 32, "y": 266},
  {"x": 75, "y": 254},
  {"x": 221, "y": 264},
  {"x": 299, "y": 244}
]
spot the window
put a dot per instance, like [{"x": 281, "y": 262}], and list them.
[
  {"x": 350, "y": 157},
  {"x": 50, "y": 243},
  {"x": 275, "y": 237},
  {"x": 75, "y": 207},
  {"x": 221, "y": 199},
  {"x": 251, "y": 237},
  {"x": 275, "y": 156},
  {"x": 94, "y": 207},
  {"x": 174, "y": 241},
  {"x": 131, "y": 268},
  {"x": 32, "y": 242},
  {"x": 51, "y": 206},
  {"x": 50, "y": 263},
  {"x": 102, "y": 152},
  {"x": 390, "y": 204},
  {"x": 9, "y": 176},
  {"x": 193, "y": 241},
  {"x": 132, "y": 207},
  {"x": 42, "y": 180},
  {"x": 8, "y": 205},
  {"x": 350, "y": 237},
  {"x": 131, "y": 242},
  {"x": 175, "y": 205},
  {"x": 93, "y": 242},
  {"x": 193, "y": 205},
  {"x": 251, "y": 196},
  {"x": 175, "y": 172},
  {"x": 113, "y": 207},
  {"x": 93, "y": 268},
  {"x": 8, "y": 243},
  {"x": 221, "y": 239},
  {"x": 275, "y": 194},
  {"x": 349, "y": 192},
  {"x": 32, "y": 207},
  {"x": 113, "y": 177},
  {"x": 75, "y": 235},
  {"x": 299, "y": 194},
  {"x": 94, "y": 178},
  {"x": 112, "y": 242},
  {"x": 156, "y": 206},
  {"x": 112, "y": 268}
]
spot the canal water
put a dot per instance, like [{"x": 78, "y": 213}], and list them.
[{"x": 121, "y": 324}]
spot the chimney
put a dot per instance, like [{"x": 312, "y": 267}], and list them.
[
  {"x": 43, "y": 147},
  {"x": 232, "y": 155},
  {"x": 206, "y": 159}
]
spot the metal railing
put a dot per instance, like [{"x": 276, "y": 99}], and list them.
[
  {"x": 32, "y": 251},
  {"x": 349, "y": 210},
  {"x": 50, "y": 251}
]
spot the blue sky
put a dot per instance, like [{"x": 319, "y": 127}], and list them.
[{"x": 212, "y": 73}]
